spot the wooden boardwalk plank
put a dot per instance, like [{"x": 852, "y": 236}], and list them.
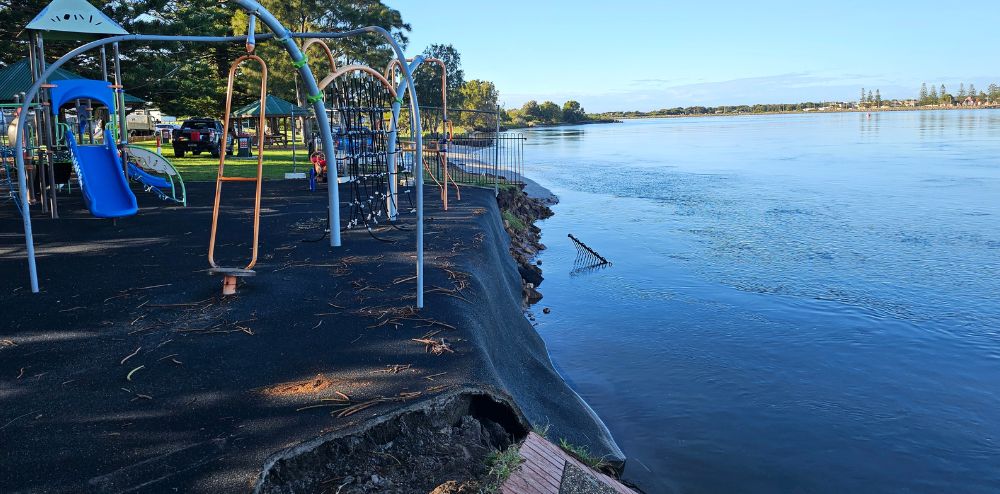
[{"x": 542, "y": 470}]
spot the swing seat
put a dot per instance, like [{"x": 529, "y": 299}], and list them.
[{"x": 237, "y": 272}]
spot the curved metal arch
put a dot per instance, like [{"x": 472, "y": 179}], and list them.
[
  {"x": 391, "y": 74},
  {"x": 326, "y": 49},
  {"x": 347, "y": 69}
]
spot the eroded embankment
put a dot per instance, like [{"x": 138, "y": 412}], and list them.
[
  {"x": 131, "y": 365},
  {"x": 441, "y": 445},
  {"x": 519, "y": 213},
  {"x": 512, "y": 356},
  {"x": 516, "y": 354}
]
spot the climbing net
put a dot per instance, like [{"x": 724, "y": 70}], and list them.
[{"x": 361, "y": 118}]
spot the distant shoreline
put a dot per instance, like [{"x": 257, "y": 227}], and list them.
[
  {"x": 801, "y": 112},
  {"x": 620, "y": 119},
  {"x": 567, "y": 124}
]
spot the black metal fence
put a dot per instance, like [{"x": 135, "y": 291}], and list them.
[{"x": 480, "y": 159}]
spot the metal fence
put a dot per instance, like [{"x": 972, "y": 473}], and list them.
[
  {"x": 478, "y": 154},
  {"x": 480, "y": 159}
]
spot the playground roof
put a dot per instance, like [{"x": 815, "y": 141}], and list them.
[
  {"x": 275, "y": 107},
  {"x": 16, "y": 79},
  {"x": 73, "y": 19}
]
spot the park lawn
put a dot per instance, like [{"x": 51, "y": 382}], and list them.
[{"x": 204, "y": 167}]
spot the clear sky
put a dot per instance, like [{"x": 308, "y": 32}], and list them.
[{"x": 644, "y": 55}]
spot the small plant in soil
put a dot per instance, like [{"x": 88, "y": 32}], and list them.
[
  {"x": 513, "y": 221},
  {"x": 583, "y": 454},
  {"x": 542, "y": 431},
  {"x": 502, "y": 464}
]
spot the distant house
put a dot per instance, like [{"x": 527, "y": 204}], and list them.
[{"x": 969, "y": 101}]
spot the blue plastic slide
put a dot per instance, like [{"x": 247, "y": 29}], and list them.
[{"x": 99, "y": 169}]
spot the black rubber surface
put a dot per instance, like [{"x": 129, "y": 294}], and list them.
[{"x": 215, "y": 384}]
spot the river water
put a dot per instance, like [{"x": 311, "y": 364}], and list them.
[{"x": 797, "y": 303}]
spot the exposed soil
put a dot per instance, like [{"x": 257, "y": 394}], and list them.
[
  {"x": 440, "y": 446},
  {"x": 525, "y": 238}
]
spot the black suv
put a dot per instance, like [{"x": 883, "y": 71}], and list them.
[{"x": 199, "y": 135}]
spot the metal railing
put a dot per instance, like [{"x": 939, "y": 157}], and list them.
[{"x": 478, "y": 159}]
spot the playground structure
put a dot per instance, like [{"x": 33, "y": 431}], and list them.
[
  {"x": 360, "y": 103},
  {"x": 98, "y": 166},
  {"x": 360, "y": 98},
  {"x": 35, "y": 98},
  {"x": 447, "y": 127}
]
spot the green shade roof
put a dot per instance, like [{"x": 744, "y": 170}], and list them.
[
  {"x": 74, "y": 19},
  {"x": 276, "y": 107},
  {"x": 16, "y": 79}
]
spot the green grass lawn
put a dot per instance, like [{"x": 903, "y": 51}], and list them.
[
  {"x": 204, "y": 167},
  {"x": 277, "y": 162}
]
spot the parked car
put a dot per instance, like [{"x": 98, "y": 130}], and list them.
[
  {"x": 166, "y": 132},
  {"x": 199, "y": 135}
]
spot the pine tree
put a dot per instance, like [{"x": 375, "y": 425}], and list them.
[
  {"x": 878, "y": 99},
  {"x": 871, "y": 98},
  {"x": 972, "y": 90},
  {"x": 922, "y": 100},
  {"x": 943, "y": 93},
  {"x": 861, "y": 102},
  {"x": 934, "y": 95},
  {"x": 961, "y": 90}
]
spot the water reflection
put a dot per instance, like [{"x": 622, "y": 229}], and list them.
[{"x": 869, "y": 123}]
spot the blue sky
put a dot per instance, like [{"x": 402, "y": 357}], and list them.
[{"x": 639, "y": 54}]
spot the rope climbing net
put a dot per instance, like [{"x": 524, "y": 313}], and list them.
[{"x": 361, "y": 118}]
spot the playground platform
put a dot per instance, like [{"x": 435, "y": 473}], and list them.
[{"x": 130, "y": 371}]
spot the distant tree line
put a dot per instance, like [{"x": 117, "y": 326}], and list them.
[
  {"x": 547, "y": 113},
  {"x": 870, "y": 100},
  {"x": 733, "y": 109},
  {"x": 935, "y": 96},
  {"x": 474, "y": 94}
]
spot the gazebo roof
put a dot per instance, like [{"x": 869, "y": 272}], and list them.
[
  {"x": 73, "y": 19},
  {"x": 275, "y": 107},
  {"x": 16, "y": 79}
]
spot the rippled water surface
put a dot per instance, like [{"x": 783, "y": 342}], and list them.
[{"x": 798, "y": 303}]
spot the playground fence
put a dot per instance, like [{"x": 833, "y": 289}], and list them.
[{"x": 479, "y": 158}]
